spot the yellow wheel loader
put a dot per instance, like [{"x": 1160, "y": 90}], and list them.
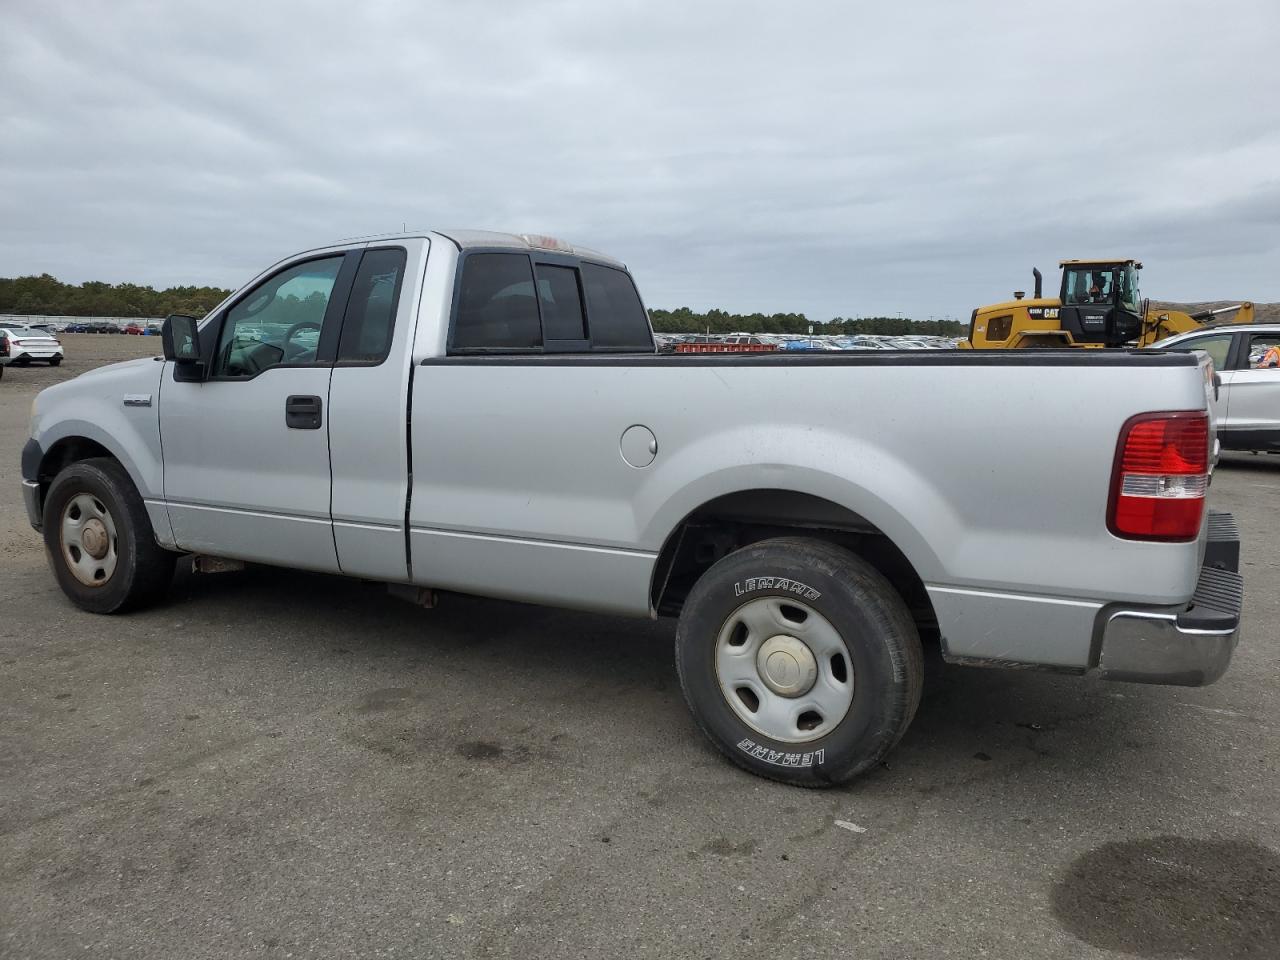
[{"x": 1098, "y": 306}]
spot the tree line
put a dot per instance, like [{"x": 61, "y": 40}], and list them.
[{"x": 47, "y": 296}]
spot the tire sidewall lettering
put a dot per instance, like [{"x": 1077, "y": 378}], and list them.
[
  {"x": 781, "y": 758},
  {"x": 781, "y": 584}
]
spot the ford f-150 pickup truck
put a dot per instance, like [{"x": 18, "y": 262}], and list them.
[{"x": 485, "y": 413}]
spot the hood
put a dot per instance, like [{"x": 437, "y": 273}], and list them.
[{"x": 1025, "y": 302}]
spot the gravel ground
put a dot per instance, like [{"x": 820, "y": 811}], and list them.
[{"x": 286, "y": 765}]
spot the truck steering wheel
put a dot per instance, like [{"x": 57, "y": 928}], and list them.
[{"x": 294, "y": 350}]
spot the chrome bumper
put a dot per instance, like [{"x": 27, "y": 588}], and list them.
[
  {"x": 1189, "y": 647},
  {"x": 31, "y": 497}
]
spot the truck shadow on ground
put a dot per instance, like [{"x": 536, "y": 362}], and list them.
[
  {"x": 973, "y": 725},
  {"x": 979, "y": 734}
]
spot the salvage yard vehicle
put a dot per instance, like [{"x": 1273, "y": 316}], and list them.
[
  {"x": 1247, "y": 361},
  {"x": 27, "y": 344},
  {"x": 486, "y": 413},
  {"x": 1098, "y": 306}
]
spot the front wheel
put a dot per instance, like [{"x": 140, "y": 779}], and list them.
[
  {"x": 799, "y": 660},
  {"x": 100, "y": 541}
]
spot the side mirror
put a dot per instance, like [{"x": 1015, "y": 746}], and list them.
[{"x": 180, "y": 340}]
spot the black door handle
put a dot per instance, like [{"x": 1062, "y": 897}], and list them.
[{"x": 302, "y": 413}]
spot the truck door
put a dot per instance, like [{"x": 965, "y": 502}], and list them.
[
  {"x": 368, "y": 401},
  {"x": 246, "y": 451}
]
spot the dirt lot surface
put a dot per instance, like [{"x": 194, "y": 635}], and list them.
[{"x": 285, "y": 765}]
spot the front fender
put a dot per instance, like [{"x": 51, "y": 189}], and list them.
[{"x": 92, "y": 406}]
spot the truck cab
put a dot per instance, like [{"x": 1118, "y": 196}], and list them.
[{"x": 1100, "y": 302}]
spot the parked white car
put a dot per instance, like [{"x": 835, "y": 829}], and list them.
[
  {"x": 26, "y": 344},
  {"x": 1246, "y": 358}
]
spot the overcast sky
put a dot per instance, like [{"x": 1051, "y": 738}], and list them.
[{"x": 836, "y": 159}]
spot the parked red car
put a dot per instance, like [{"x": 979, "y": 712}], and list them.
[{"x": 133, "y": 328}]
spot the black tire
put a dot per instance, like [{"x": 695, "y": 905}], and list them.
[
  {"x": 54, "y": 361},
  {"x": 143, "y": 570},
  {"x": 873, "y": 623}
]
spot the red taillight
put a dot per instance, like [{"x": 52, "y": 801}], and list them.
[{"x": 1161, "y": 476}]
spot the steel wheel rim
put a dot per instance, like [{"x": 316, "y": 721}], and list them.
[
  {"x": 90, "y": 545},
  {"x": 774, "y": 625}
]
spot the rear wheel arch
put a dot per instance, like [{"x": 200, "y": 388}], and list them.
[{"x": 729, "y": 522}]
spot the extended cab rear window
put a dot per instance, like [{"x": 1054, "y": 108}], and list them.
[
  {"x": 497, "y": 307},
  {"x": 517, "y": 303},
  {"x": 615, "y": 314}
]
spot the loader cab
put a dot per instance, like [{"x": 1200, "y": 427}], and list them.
[{"x": 1100, "y": 301}]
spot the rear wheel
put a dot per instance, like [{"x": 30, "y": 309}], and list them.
[
  {"x": 54, "y": 361},
  {"x": 800, "y": 661},
  {"x": 100, "y": 541}
]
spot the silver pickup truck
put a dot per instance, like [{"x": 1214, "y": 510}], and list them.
[{"x": 485, "y": 413}]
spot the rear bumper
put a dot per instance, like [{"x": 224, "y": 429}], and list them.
[
  {"x": 1190, "y": 646},
  {"x": 29, "y": 355}
]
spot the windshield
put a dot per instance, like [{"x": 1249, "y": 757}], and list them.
[{"x": 1091, "y": 284}]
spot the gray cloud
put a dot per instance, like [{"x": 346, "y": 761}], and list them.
[{"x": 918, "y": 157}]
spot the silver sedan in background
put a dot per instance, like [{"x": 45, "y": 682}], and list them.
[{"x": 1247, "y": 358}]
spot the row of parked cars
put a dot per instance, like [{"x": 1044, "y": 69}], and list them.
[
  {"x": 758, "y": 342},
  {"x": 137, "y": 329}
]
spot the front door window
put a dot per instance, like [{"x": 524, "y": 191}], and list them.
[{"x": 279, "y": 322}]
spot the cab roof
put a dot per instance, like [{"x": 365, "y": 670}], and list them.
[
  {"x": 470, "y": 239},
  {"x": 489, "y": 239},
  {"x": 1099, "y": 262}
]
